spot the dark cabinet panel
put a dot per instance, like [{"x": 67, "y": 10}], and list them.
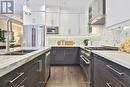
[
  {"x": 33, "y": 77},
  {"x": 108, "y": 74},
  {"x": 15, "y": 78},
  {"x": 57, "y": 55},
  {"x": 64, "y": 55},
  {"x": 31, "y": 74},
  {"x": 71, "y": 55}
]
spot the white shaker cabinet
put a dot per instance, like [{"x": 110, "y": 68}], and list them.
[
  {"x": 69, "y": 24},
  {"x": 52, "y": 19},
  {"x": 35, "y": 18},
  {"x": 117, "y": 12}
]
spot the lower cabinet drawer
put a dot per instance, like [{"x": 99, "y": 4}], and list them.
[
  {"x": 13, "y": 79},
  {"x": 108, "y": 74}
]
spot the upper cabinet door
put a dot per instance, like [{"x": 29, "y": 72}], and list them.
[
  {"x": 52, "y": 19},
  {"x": 69, "y": 24},
  {"x": 117, "y": 12},
  {"x": 36, "y": 18}
]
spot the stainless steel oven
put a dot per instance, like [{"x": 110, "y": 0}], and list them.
[{"x": 85, "y": 65}]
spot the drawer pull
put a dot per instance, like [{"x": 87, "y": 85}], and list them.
[
  {"x": 108, "y": 84},
  {"x": 109, "y": 66},
  {"x": 83, "y": 58},
  {"x": 22, "y": 83},
  {"x": 39, "y": 66},
  {"x": 16, "y": 77},
  {"x": 48, "y": 53},
  {"x": 87, "y": 54}
]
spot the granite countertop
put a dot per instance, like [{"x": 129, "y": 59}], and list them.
[
  {"x": 11, "y": 62},
  {"x": 118, "y": 57}
]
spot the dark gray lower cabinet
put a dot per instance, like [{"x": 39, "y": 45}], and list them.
[
  {"x": 108, "y": 74},
  {"x": 65, "y": 55},
  {"x": 32, "y": 74}
]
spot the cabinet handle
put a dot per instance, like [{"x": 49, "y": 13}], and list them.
[
  {"x": 22, "y": 86},
  {"x": 87, "y": 54},
  {"x": 110, "y": 67},
  {"x": 82, "y": 57},
  {"x": 48, "y": 54},
  {"x": 16, "y": 77},
  {"x": 39, "y": 65},
  {"x": 22, "y": 83},
  {"x": 108, "y": 84}
]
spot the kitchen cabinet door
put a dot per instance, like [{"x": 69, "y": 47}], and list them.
[
  {"x": 69, "y": 24},
  {"x": 35, "y": 18},
  {"x": 64, "y": 56},
  {"x": 83, "y": 24},
  {"x": 52, "y": 19},
  {"x": 71, "y": 56},
  {"x": 117, "y": 12},
  {"x": 57, "y": 56},
  {"x": 74, "y": 24},
  {"x": 33, "y": 75},
  {"x": 102, "y": 76},
  {"x": 64, "y": 24}
]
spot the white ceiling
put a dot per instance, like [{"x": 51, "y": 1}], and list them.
[{"x": 63, "y": 4}]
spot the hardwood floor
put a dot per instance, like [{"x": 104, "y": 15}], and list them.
[{"x": 66, "y": 76}]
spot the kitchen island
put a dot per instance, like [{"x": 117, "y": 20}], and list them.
[
  {"x": 11, "y": 62},
  {"x": 31, "y": 69}
]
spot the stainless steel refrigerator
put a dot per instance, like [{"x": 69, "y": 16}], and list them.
[{"x": 34, "y": 36}]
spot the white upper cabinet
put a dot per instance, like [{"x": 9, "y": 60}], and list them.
[
  {"x": 117, "y": 12},
  {"x": 52, "y": 19},
  {"x": 35, "y": 18},
  {"x": 69, "y": 24}
]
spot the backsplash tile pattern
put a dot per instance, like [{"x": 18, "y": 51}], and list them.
[{"x": 52, "y": 40}]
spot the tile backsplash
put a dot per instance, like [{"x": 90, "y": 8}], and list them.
[
  {"x": 108, "y": 37},
  {"x": 78, "y": 40}
]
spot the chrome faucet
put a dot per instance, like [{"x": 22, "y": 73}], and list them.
[{"x": 9, "y": 29}]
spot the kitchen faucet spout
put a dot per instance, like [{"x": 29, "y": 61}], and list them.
[{"x": 9, "y": 29}]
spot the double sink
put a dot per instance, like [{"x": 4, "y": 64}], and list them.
[{"x": 20, "y": 52}]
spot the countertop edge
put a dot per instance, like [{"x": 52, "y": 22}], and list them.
[
  {"x": 24, "y": 59},
  {"x": 119, "y": 62}
]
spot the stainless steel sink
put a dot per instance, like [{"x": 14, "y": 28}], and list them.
[
  {"x": 25, "y": 51},
  {"x": 14, "y": 53},
  {"x": 20, "y": 52}
]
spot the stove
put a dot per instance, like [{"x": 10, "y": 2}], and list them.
[{"x": 85, "y": 60}]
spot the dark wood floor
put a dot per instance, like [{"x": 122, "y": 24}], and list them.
[{"x": 66, "y": 76}]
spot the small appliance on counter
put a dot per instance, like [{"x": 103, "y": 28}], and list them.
[
  {"x": 70, "y": 43},
  {"x": 66, "y": 43}
]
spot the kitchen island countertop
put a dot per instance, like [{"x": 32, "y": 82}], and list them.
[{"x": 11, "y": 62}]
